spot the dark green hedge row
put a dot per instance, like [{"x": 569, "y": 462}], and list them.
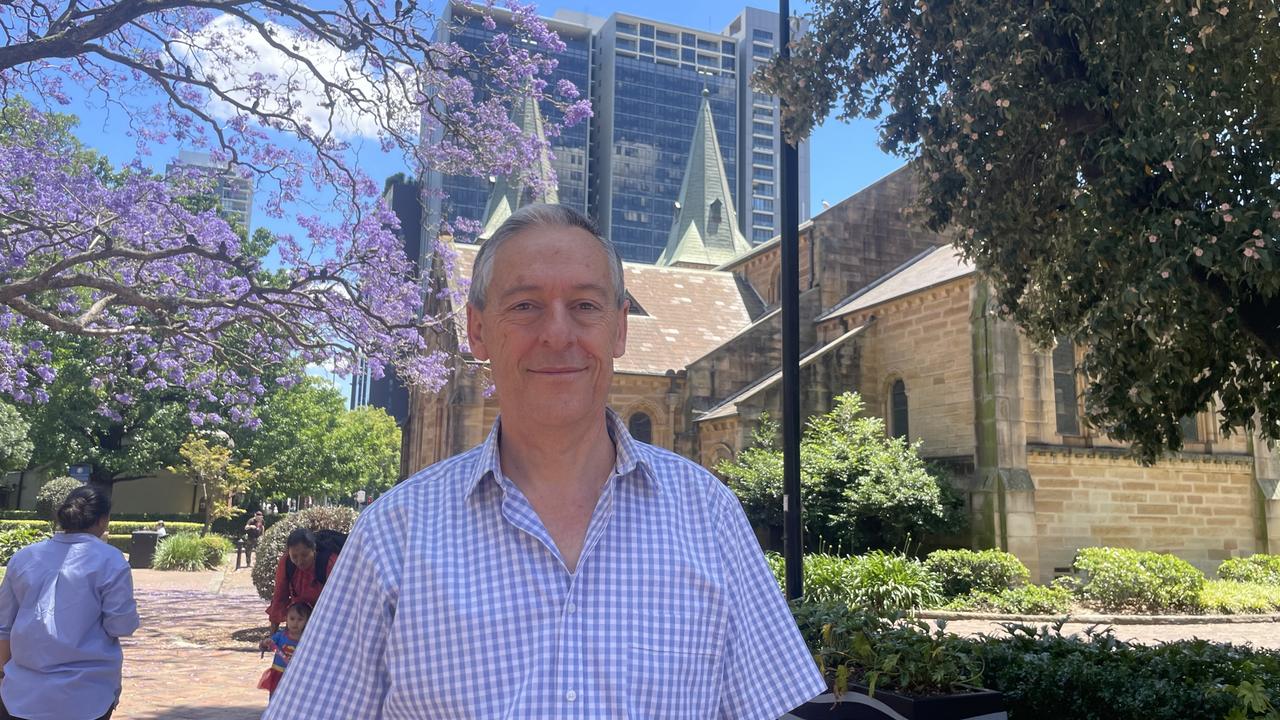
[{"x": 1046, "y": 675}]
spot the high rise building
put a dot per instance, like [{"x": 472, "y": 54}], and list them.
[
  {"x": 647, "y": 81},
  {"x": 759, "y": 191},
  {"x": 233, "y": 192},
  {"x": 650, "y": 79},
  {"x": 468, "y": 196}
]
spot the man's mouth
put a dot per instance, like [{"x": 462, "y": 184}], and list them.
[{"x": 557, "y": 370}]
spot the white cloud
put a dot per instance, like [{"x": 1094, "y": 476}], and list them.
[{"x": 238, "y": 57}]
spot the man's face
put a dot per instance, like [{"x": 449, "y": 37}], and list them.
[{"x": 551, "y": 326}]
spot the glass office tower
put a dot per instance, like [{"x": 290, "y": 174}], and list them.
[
  {"x": 467, "y": 196},
  {"x": 759, "y": 193},
  {"x": 649, "y": 79},
  {"x": 645, "y": 79}
]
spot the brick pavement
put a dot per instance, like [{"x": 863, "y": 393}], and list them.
[{"x": 195, "y": 656}]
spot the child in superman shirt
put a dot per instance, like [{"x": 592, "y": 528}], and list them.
[{"x": 284, "y": 642}]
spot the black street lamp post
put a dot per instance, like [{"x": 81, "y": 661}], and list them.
[{"x": 793, "y": 550}]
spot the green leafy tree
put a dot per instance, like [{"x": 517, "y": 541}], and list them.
[
  {"x": 15, "y": 445},
  {"x": 861, "y": 489},
  {"x": 366, "y": 446},
  {"x": 218, "y": 476},
  {"x": 124, "y": 444},
  {"x": 1110, "y": 166},
  {"x": 294, "y": 445},
  {"x": 308, "y": 443}
]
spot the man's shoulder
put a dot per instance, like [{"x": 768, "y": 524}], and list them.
[
  {"x": 683, "y": 477},
  {"x": 435, "y": 480}
]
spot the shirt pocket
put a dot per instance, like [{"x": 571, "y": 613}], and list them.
[{"x": 674, "y": 665}]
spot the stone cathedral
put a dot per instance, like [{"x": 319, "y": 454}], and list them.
[{"x": 889, "y": 310}]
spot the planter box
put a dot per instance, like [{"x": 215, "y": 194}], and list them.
[{"x": 855, "y": 705}]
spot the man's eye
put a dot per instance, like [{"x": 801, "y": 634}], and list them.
[
  {"x": 522, "y": 306},
  {"x": 588, "y": 306}
]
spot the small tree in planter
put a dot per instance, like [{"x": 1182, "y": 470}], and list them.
[
  {"x": 52, "y": 494},
  {"x": 890, "y": 669}
]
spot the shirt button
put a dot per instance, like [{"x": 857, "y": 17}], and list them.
[
  {"x": 571, "y": 608},
  {"x": 571, "y": 696}
]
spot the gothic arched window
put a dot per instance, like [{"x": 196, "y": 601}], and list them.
[
  {"x": 898, "y": 420},
  {"x": 641, "y": 427}
]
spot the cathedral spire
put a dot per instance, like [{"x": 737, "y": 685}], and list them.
[
  {"x": 705, "y": 232},
  {"x": 505, "y": 197}
]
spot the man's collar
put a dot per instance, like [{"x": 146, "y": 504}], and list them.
[{"x": 631, "y": 457}]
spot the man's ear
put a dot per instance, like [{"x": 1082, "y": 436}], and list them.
[
  {"x": 620, "y": 341},
  {"x": 475, "y": 324}
]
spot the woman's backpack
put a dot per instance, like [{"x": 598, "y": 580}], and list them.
[{"x": 328, "y": 544}]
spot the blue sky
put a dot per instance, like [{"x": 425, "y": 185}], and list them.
[{"x": 844, "y": 157}]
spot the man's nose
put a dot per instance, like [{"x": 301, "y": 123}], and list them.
[{"x": 557, "y": 326}]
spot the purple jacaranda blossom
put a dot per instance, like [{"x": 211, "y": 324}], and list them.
[{"x": 277, "y": 93}]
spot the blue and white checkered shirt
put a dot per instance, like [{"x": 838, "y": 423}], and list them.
[{"x": 450, "y": 601}]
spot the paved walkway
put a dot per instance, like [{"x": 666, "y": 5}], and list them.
[
  {"x": 1262, "y": 634},
  {"x": 195, "y": 656}
]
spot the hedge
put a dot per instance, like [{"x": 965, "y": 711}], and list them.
[
  {"x": 11, "y": 541},
  {"x": 225, "y": 526},
  {"x": 1125, "y": 580},
  {"x": 1260, "y": 568},
  {"x": 114, "y": 528},
  {"x": 1046, "y": 675},
  {"x": 120, "y": 542},
  {"x": 983, "y": 571}
]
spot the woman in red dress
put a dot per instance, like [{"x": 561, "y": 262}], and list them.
[{"x": 300, "y": 575}]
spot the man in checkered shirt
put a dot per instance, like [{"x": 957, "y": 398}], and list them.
[{"x": 561, "y": 569}]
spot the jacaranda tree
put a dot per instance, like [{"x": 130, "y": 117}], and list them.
[
  {"x": 1110, "y": 165},
  {"x": 279, "y": 91}
]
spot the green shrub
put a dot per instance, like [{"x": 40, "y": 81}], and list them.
[
  {"x": 855, "y": 646},
  {"x": 51, "y": 495},
  {"x": 1021, "y": 600},
  {"x": 1228, "y": 597},
  {"x": 11, "y": 541},
  {"x": 987, "y": 571},
  {"x": 829, "y": 578},
  {"x": 1044, "y": 674},
  {"x": 7, "y": 525},
  {"x": 860, "y": 488},
  {"x": 884, "y": 582},
  {"x": 1260, "y": 568},
  {"x": 189, "y": 551},
  {"x": 120, "y": 542},
  {"x": 217, "y": 548},
  {"x": 124, "y": 527},
  {"x": 879, "y": 581},
  {"x": 271, "y": 546},
  {"x": 1125, "y": 580}
]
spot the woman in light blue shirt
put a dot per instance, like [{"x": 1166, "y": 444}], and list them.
[{"x": 64, "y": 605}]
